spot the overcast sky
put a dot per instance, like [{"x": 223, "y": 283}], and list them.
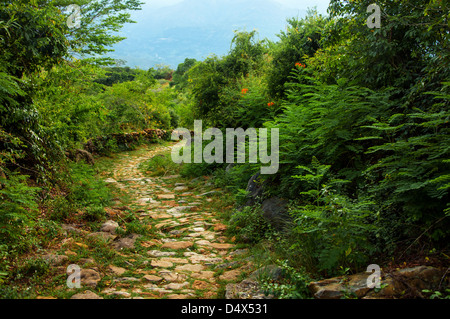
[{"x": 321, "y": 5}]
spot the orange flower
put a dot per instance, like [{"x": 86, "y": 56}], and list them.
[
  {"x": 270, "y": 104},
  {"x": 244, "y": 91}
]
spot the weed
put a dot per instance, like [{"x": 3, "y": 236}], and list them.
[
  {"x": 248, "y": 225},
  {"x": 293, "y": 285},
  {"x": 160, "y": 165}
]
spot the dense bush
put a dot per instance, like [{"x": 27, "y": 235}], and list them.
[
  {"x": 18, "y": 211},
  {"x": 217, "y": 84},
  {"x": 301, "y": 40},
  {"x": 363, "y": 118}
]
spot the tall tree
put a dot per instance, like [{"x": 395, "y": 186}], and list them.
[
  {"x": 36, "y": 34},
  {"x": 99, "y": 21}
]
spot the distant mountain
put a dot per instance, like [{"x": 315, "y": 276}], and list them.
[{"x": 196, "y": 29}]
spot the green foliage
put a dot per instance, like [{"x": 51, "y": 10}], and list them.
[
  {"x": 326, "y": 121},
  {"x": 193, "y": 169},
  {"x": 50, "y": 103},
  {"x": 413, "y": 164},
  {"x": 78, "y": 113},
  {"x": 438, "y": 294},
  {"x": 215, "y": 83},
  {"x": 300, "y": 41},
  {"x": 246, "y": 54},
  {"x": 9, "y": 89},
  {"x": 339, "y": 227},
  {"x": 248, "y": 225},
  {"x": 101, "y": 20},
  {"x": 32, "y": 36},
  {"x": 109, "y": 147},
  {"x": 60, "y": 208},
  {"x": 205, "y": 80},
  {"x": 115, "y": 75},
  {"x": 180, "y": 76},
  {"x": 371, "y": 103},
  {"x": 185, "y": 111},
  {"x": 135, "y": 106},
  {"x": 89, "y": 110},
  {"x": 197, "y": 169},
  {"x": 2, "y": 276},
  {"x": 410, "y": 45},
  {"x": 234, "y": 177},
  {"x": 162, "y": 72},
  {"x": 11, "y": 149},
  {"x": 133, "y": 225},
  {"x": 254, "y": 107},
  {"x": 83, "y": 182},
  {"x": 293, "y": 285},
  {"x": 18, "y": 210},
  {"x": 160, "y": 165},
  {"x": 87, "y": 192}
]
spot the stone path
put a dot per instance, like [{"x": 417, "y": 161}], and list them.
[{"x": 185, "y": 255}]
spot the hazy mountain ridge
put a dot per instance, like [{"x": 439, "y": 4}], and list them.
[{"x": 196, "y": 29}]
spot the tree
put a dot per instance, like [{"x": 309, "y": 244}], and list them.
[
  {"x": 100, "y": 21},
  {"x": 214, "y": 83},
  {"x": 162, "y": 72},
  {"x": 180, "y": 78},
  {"x": 115, "y": 75},
  {"x": 245, "y": 55},
  {"x": 34, "y": 35},
  {"x": 412, "y": 44},
  {"x": 205, "y": 81},
  {"x": 301, "y": 40}
]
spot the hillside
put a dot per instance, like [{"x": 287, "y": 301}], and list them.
[{"x": 194, "y": 29}]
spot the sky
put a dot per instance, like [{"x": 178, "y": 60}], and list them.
[{"x": 321, "y": 5}]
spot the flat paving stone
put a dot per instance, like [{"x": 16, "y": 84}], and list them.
[
  {"x": 190, "y": 267},
  {"x": 161, "y": 263},
  {"x": 177, "y": 245}
]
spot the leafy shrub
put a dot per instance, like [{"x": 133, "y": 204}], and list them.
[
  {"x": 254, "y": 107},
  {"x": 301, "y": 39},
  {"x": 248, "y": 225},
  {"x": 214, "y": 82},
  {"x": 235, "y": 178},
  {"x": 292, "y": 285},
  {"x": 340, "y": 229},
  {"x": 438, "y": 294},
  {"x": 197, "y": 169},
  {"x": 180, "y": 76},
  {"x": 35, "y": 267},
  {"x": 326, "y": 121},
  {"x": 413, "y": 171},
  {"x": 133, "y": 225},
  {"x": 60, "y": 208},
  {"x": 18, "y": 210},
  {"x": 89, "y": 193}
]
